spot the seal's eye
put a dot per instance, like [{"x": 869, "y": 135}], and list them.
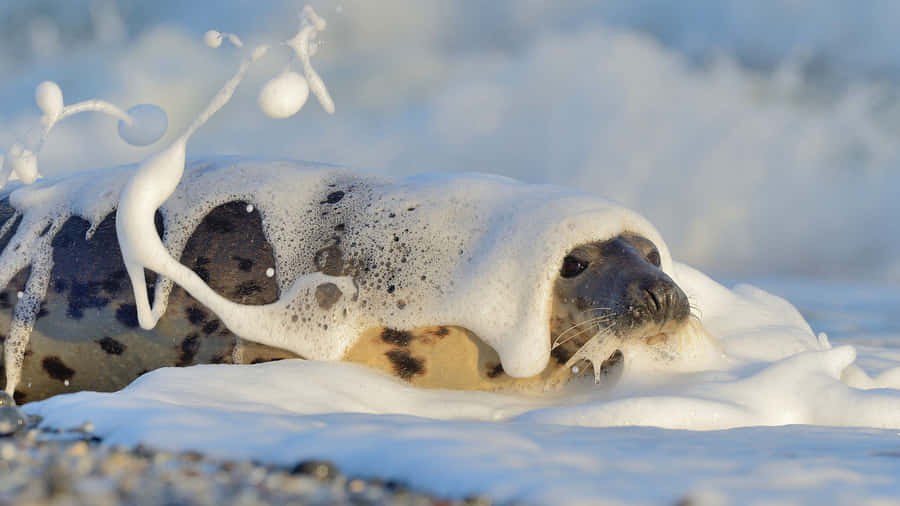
[
  {"x": 653, "y": 258},
  {"x": 572, "y": 267}
]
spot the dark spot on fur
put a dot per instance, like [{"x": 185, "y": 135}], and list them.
[
  {"x": 210, "y": 326},
  {"x": 405, "y": 365},
  {"x": 189, "y": 348},
  {"x": 19, "y": 397},
  {"x": 327, "y": 294},
  {"x": 202, "y": 272},
  {"x": 494, "y": 370},
  {"x": 57, "y": 369},
  {"x": 333, "y": 197},
  {"x": 112, "y": 286},
  {"x": 126, "y": 314},
  {"x": 396, "y": 337},
  {"x": 111, "y": 346},
  {"x": 85, "y": 296},
  {"x": 59, "y": 285},
  {"x": 244, "y": 264},
  {"x": 219, "y": 224},
  {"x": 391, "y": 288},
  {"x": 195, "y": 315},
  {"x": 330, "y": 260},
  {"x": 261, "y": 360},
  {"x": 247, "y": 288},
  {"x": 340, "y": 227},
  {"x": 392, "y": 215}
]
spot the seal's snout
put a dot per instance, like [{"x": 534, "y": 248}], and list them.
[{"x": 656, "y": 299}]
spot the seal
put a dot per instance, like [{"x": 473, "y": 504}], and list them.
[
  {"x": 86, "y": 334},
  {"x": 87, "y": 338}
]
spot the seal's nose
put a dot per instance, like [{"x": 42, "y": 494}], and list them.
[{"x": 657, "y": 299}]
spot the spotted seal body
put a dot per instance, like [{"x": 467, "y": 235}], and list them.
[{"x": 86, "y": 336}]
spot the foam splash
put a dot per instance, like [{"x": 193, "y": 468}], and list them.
[
  {"x": 150, "y": 185},
  {"x": 144, "y": 124}
]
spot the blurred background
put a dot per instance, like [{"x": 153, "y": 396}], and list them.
[{"x": 760, "y": 137}]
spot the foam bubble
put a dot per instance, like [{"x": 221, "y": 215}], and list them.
[
  {"x": 149, "y": 124},
  {"x": 49, "y": 99},
  {"x": 283, "y": 95},
  {"x": 212, "y": 39}
]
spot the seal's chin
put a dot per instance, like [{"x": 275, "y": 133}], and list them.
[
  {"x": 676, "y": 347},
  {"x": 602, "y": 358}
]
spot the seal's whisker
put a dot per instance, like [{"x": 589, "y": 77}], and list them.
[
  {"x": 590, "y": 321},
  {"x": 595, "y": 309},
  {"x": 587, "y": 323},
  {"x": 588, "y": 326},
  {"x": 696, "y": 312}
]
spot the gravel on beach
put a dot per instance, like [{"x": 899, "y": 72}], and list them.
[{"x": 51, "y": 467}]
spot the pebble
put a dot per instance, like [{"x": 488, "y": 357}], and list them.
[{"x": 52, "y": 467}]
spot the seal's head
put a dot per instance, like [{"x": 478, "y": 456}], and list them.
[{"x": 614, "y": 290}]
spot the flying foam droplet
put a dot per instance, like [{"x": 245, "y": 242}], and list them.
[
  {"x": 49, "y": 99},
  {"x": 270, "y": 272},
  {"x": 212, "y": 39},
  {"x": 283, "y": 95},
  {"x": 249, "y": 208},
  {"x": 148, "y": 126},
  {"x": 23, "y": 163}
]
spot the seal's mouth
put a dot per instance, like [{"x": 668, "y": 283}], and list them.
[
  {"x": 656, "y": 339},
  {"x": 603, "y": 358}
]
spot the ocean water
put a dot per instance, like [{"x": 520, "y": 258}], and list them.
[{"x": 759, "y": 139}]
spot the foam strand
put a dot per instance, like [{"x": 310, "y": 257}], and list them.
[
  {"x": 9, "y": 223},
  {"x": 14, "y": 257},
  {"x": 224, "y": 94},
  {"x": 27, "y": 308},
  {"x": 166, "y": 167},
  {"x": 156, "y": 180},
  {"x": 85, "y": 106},
  {"x": 311, "y": 24}
]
